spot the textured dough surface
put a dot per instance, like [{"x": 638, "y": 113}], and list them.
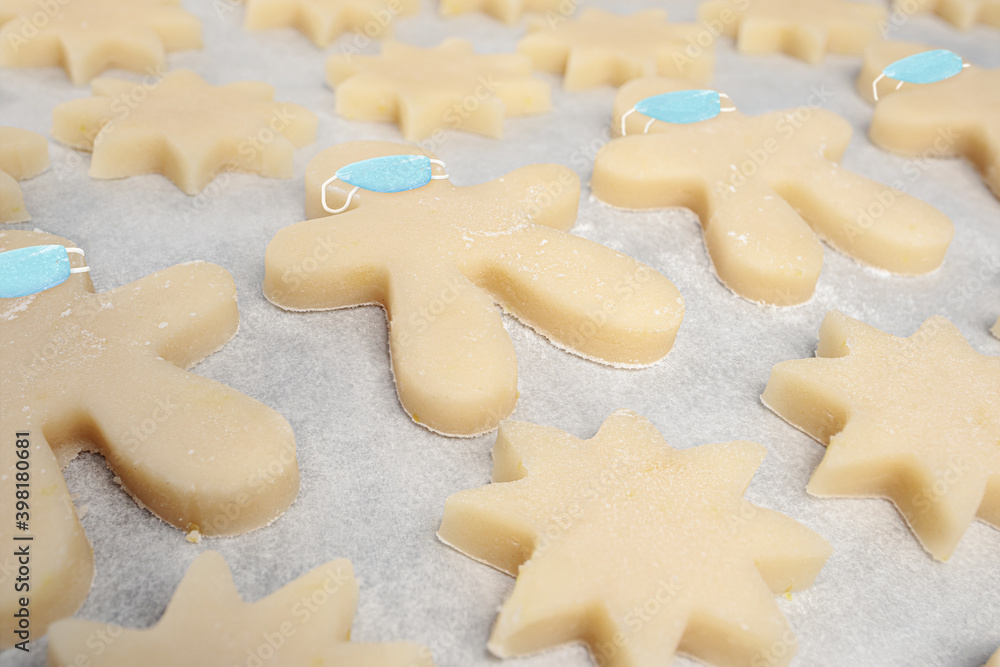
[
  {"x": 23, "y": 154},
  {"x": 104, "y": 372},
  {"x": 766, "y": 189},
  {"x": 915, "y": 420},
  {"x": 963, "y": 14},
  {"x": 87, "y": 37},
  {"x": 804, "y": 29},
  {"x": 207, "y": 624},
  {"x": 425, "y": 91},
  {"x": 957, "y": 116},
  {"x": 994, "y": 661},
  {"x": 508, "y": 11},
  {"x": 184, "y": 128},
  {"x": 438, "y": 258},
  {"x": 601, "y": 48},
  {"x": 637, "y": 549},
  {"x": 323, "y": 21}
]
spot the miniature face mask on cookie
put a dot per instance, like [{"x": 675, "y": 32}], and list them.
[
  {"x": 926, "y": 67},
  {"x": 387, "y": 174},
  {"x": 679, "y": 107},
  {"x": 27, "y": 271}
]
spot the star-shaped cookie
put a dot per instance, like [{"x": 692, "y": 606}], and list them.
[
  {"x": 508, "y": 11},
  {"x": 105, "y": 373},
  {"x": 87, "y": 37},
  {"x": 915, "y": 420},
  {"x": 996, "y": 328},
  {"x": 804, "y": 29},
  {"x": 25, "y": 154},
  {"x": 994, "y": 661},
  {"x": 766, "y": 188},
  {"x": 207, "y": 624},
  {"x": 957, "y": 116},
  {"x": 184, "y": 128},
  {"x": 425, "y": 91},
  {"x": 323, "y": 21},
  {"x": 439, "y": 257},
  {"x": 963, "y": 14},
  {"x": 601, "y": 48},
  {"x": 637, "y": 549}
]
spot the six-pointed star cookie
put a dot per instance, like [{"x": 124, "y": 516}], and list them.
[
  {"x": 508, "y": 11},
  {"x": 87, "y": 37},
  {"x": 184, "y": 128},
  {"x": 429, "y": 90},
  {"x": 957, "y": 116},
  {"x": 437, "y": 258},
  {"x": 960, "y": 13},
  {"x": 24, "y": 154},
  {"x": 805, "y": 29},
  {"x": 323, "y": 21},
  {"x": 104, "y": 372},
  {"x": 303, "y": 624},
  {"x": 603, "y": 48},
  {"x": 915, "y": 420},
  {"x": 634, "y": 547},
  {"x": 764, "y": 188}
]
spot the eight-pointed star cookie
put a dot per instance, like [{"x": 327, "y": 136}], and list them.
[
  {"x": 184, "y": 128},
  {"x": 508, "y": 11},
  {"x": 105, "y": 372},
  {"x": 305, "y": 623},
  {"x": 604, "y": 48},
  {"x": 960, "y": 13},
  {"x": 87, "y": 37},
  {"x": 438, "y": 258},
  {"x": 765, "y": 188},
  {"x": 449, "y": 86},
  {"x": 915, "y": 420},
  {"x": 24, "y": 154},
  {"x": 804, "y": 29},
  {"x": 634, "y": 547},
  {"x": 956, "y": 116},
  {"x": 323, "y": 21}
]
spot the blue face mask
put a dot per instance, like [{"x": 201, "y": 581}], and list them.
[
  {"x": 679, "y": 107},
  {"x": 926, "y": 67},
  {"x": 26, "y": 271},
  {"x": 388, "y": 174}
]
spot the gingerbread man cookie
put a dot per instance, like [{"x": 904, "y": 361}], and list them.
[
  {"x": 603, "y": 48},
  {"x": 428, "y": 90},
  {"x": 766, "y": 188},
  {"x": 508, "y": 11},
  {"x": 323, "y": 21},
  {"x": 804, "y": 29},
  {"x": 960, "y": 13},
  {"x": 955, "y": 115},
  {"x": 104, "y": 372},
  {"x": 184, "y": 128},
  {"x": 915, "y": 420},
  {"x": 439, "y": 257},
  {"x": 637, "y": 549},
  {"x": 25, "y": 154},
  {"x": 87, "y": 37}
]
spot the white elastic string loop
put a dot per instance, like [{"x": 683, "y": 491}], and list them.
[
  {"x": 443, "y": 166},
  {"x": 79, "y": 269},
  {"x": 723, "y": 96},
  {"x": 347, "y": 204},
  {"x": 624, "y": 116},
  {"x": 875, "y": 85}
]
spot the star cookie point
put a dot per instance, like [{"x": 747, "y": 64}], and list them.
[
  {"x": 25, "y": 154},
  {"x": 323, "y": 21}
]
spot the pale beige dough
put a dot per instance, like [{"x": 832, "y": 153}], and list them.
[
  {"x": 956, "y": 116},
  {"x": 508, "y": 11},
  {"x": 104, "y": 373},
  {"x": 305, "y": 623},
  {"x": 603, "y": 48},
  {"x": 994, "y": 661},
  {"x": 633, "y": 547},
  {"x": 23, "y": 154},
  {"x": 426, "y": 91},
  {"x": 87, "y": 37},
  {"x": 766, "y": 188},
  {"x": 915, "y": 420},
  {"x": 804, "y": 29},
  {"x": 996, "y": 328},
  {"x": 963, "y": 14},
  {"x": 438, "y": 258},
  {"x": 323, "y": 21},
  {"x": 184, "y": 128}
]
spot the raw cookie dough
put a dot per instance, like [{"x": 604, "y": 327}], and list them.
[
  {"x": 438, "y": 258},
  {"x": 996, "y": 328},
  {"x": 956, "y": 116},
  {"x": 994, "y": 661},
  {"x": 207, "y": 624},
  {"x": 87, "y": 37},
  {"x": 23, "y": 154},
  {"x": 323, "y": 21},
  {"x": 960, "y": 13},
  {"x": 508, "y": 11},
  {"x": 915, "y": 420},
  {"x": 603, "y": 48},
  {"x": 426, "y": 91},
  {"x": 599, "y": 531},
  {"x": 765, "y": 188},
  {"x": 104, "y": 372},
  {"x": 804, "y": 29},
  {"x": 184, "y": 128}
]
